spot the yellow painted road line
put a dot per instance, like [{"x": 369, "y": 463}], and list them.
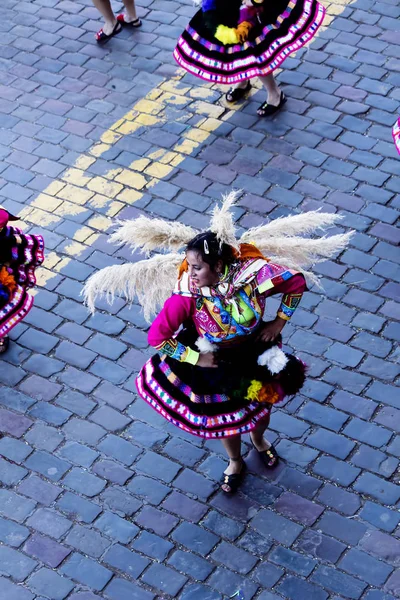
[{"x": 78, "y": 191}]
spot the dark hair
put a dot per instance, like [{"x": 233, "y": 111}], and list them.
[{"x": 211, "y": 250}]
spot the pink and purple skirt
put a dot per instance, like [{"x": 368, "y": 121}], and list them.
[
  {"x": 20, "y": 255},
  {"x": 396, "y": 134},
  {"x": 279, "y": 34},
  {"x": 214, "y": 402}
]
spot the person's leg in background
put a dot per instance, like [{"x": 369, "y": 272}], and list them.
[
  {"x": 112, "y": 24},
  {"x": 110, "y": 20}
]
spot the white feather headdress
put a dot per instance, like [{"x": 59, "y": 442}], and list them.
[{"x": 152, "y": 280}]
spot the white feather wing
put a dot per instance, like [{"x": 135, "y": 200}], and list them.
[
  {"x": 152, "y": 234},
  {"x": 150, "y": 281}
]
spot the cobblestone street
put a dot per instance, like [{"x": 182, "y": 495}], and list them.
[{"x": 100, "y": 497}]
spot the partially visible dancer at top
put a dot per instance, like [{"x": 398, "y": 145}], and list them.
[
  {"x": 396, "y": 134},
  {"x": 113, "y": 24},
  {"x": 232, "y": 41},
  {"x": 20, "y": 254}
]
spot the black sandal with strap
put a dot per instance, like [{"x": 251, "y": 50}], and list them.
[
  {"x": 102, "y": 38},
  {"x": 234, "y": 94},
  {"x": 4, "y": 343},
  {"x": 136, "y": 23},
  {"x": 269, "y": 457},
  {"x": 267, "y": 110},
  {"x": 234, "y": 480}
]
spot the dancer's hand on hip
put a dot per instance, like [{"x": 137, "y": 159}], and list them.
[
  {"x": 208, "y": 360},
  {"x": 270, "y": 331}
]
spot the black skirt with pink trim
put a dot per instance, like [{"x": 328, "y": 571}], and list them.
[
  {"x": 285, "y": 27},
  {"x": 211, "y": 402},
  {"x": 20, "y": 255}
]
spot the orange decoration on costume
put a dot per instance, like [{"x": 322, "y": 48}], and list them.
[
  {"x": 7, "y": 280},
  {"x": 268, "y": 394}
]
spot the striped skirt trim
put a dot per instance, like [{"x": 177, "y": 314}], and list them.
[
  {"x": 232, "y": 64},
  {"x": 193, "y": 417}
]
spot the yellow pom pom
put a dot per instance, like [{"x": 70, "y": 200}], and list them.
[
  {"x": 226, "y": 35},
  {"x": 253, "y": 390}
]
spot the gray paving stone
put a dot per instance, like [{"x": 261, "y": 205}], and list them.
[
  {"x": 47, "y": 582},
  {"x": 39, "y": 490},
  {"x": 339, "y": 527},
  {"x": 109, "y": 418},
  {"x": 44, "y": 437},
  {"x": 116, "y": 527},
  {"x": 278, "y": 528},
  {"x": 10, "y": 474},
  {"x": 86, "y": 571},
  {"x": 314, "y": 543},
  {"x": 48, "y": 465},
  {"x": 381, "y": 517},
  {"x": 50, "y": 413},
  {"x": 12, "y": 533},
  {"x": 299, "y": 589},
  {"x": 45, "y": 549},
  {"x": 15, "y": 564},
  {"x": 126, "y": 561},
  {"x": 14, "y": 449},
  {"x": 11, "y": 591},
  {"x": 364, "y": 566},
  {"x": 121, "y": 588},
  {"x": 336, "y": 581},
  {"x": 87, "y": 541},
  {"x": 297, "y": 508},
  {"x": 152, "y": 545}
]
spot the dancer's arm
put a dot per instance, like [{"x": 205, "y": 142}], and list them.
[{"x": 176, "y": 310}]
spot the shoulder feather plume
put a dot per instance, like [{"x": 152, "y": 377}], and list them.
[
  {"x": 281, "y": 240},
  {"x": 300, "y": 253},
  {"x": 222, "y": 223},
  {"x": 152, "y": 234},
  {"x": 304, "y": 223},
  {"x": 150, "y": 280}
]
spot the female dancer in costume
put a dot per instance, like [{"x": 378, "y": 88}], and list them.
[
  {"x": 220, "y": 368},
  {"x": 231, "y": 41},
  {"x": 20, "y": 254},
  {"x": 396, "y": 134}
]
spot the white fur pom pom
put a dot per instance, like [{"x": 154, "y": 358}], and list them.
[
  {"x": 274, "y": 359},
  {"x": 205, "y": 346}
]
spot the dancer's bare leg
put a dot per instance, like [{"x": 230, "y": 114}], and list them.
[
  {"x": 273, "y": 90},
  {"x": 257, "y": 436},
  {"x": 232, "y": 446},
  {"x": 130, "y": 11},
  {"x": 262, "y": 445},
  {"x": 104, "y": 8}
]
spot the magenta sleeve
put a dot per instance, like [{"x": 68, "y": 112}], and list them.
[{"x": 176, "y": 310}]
